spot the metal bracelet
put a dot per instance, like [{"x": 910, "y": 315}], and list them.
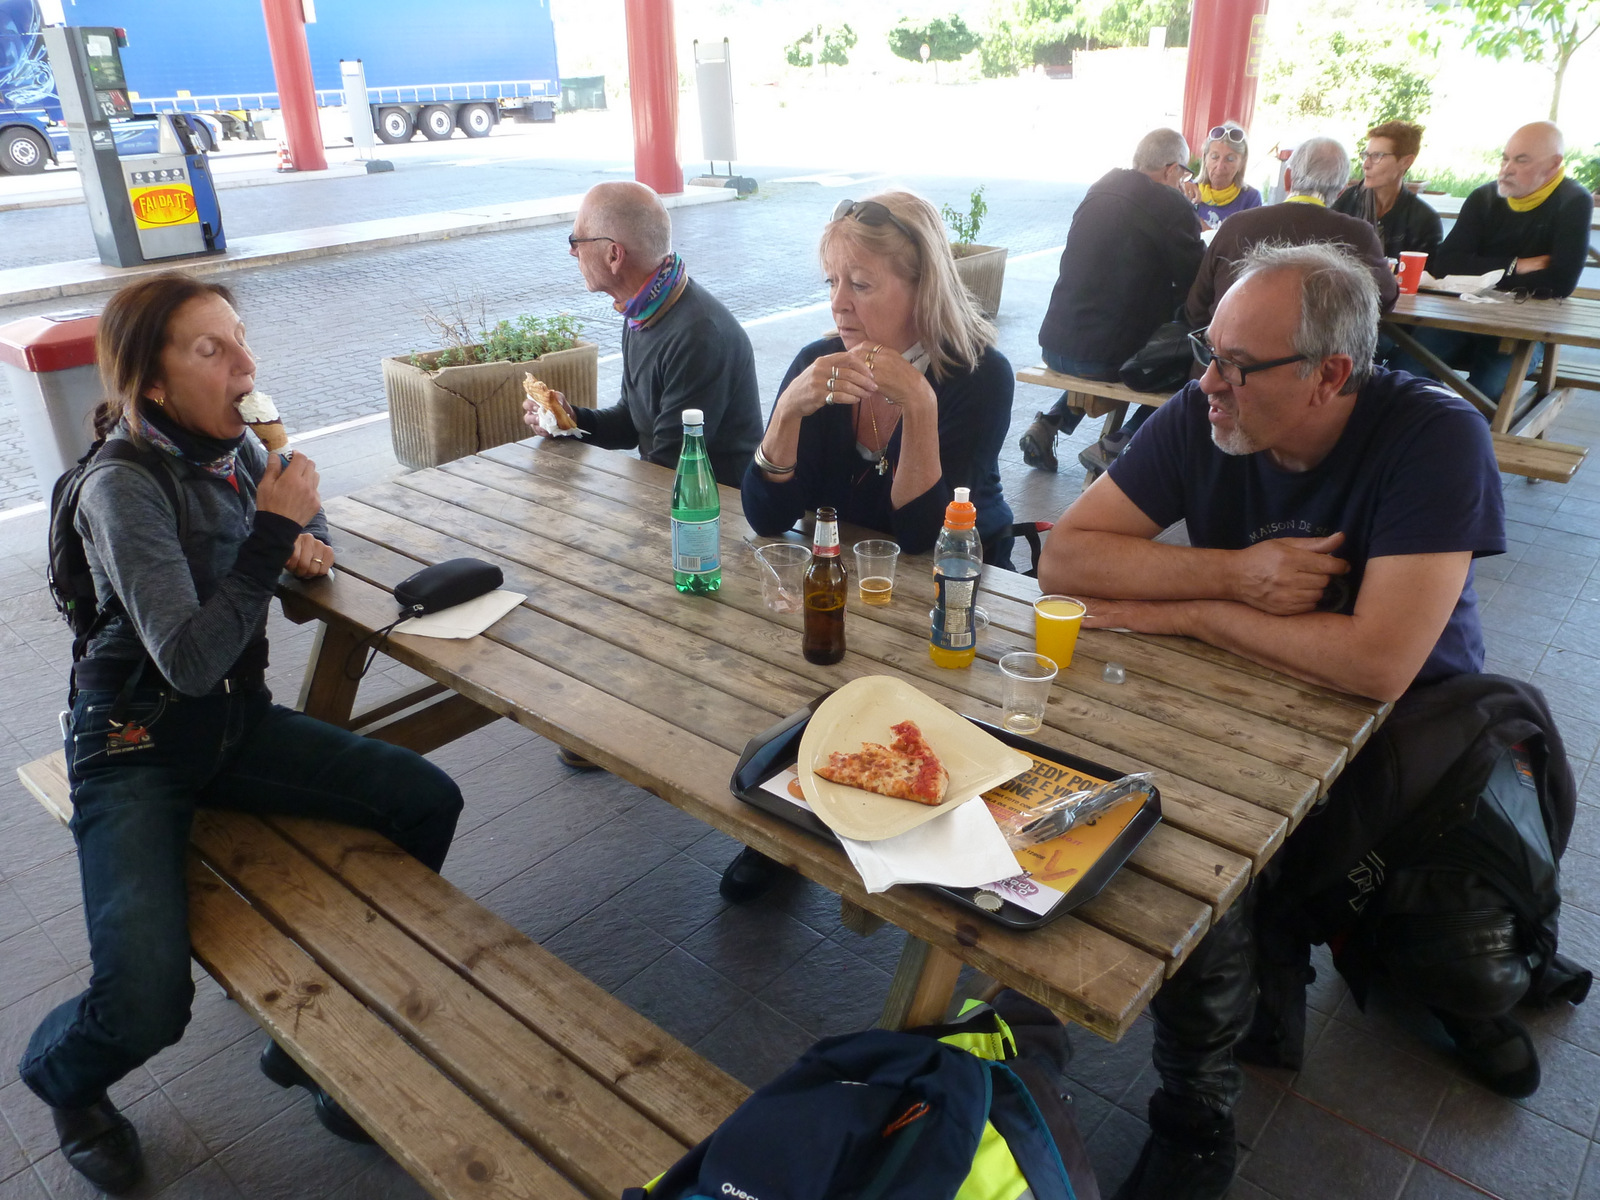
[{"x": 770, "y": 467}]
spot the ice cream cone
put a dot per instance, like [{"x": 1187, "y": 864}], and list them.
[{"x": 272, "y": 434}]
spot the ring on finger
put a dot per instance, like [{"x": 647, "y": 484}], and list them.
[
  {"x": 828, "y": 399},
  {"x": 834, "y": 375}
]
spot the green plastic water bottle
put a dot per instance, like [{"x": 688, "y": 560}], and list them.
[{"x": 696, "y": 513}]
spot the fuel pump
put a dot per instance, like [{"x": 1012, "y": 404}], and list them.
[{"x": 143, "y": 208}]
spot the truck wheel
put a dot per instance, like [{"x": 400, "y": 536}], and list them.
[
  {"x": 22, "y": 152},
  {"x": 476, "y": 120},
  {"x": 437, "y": 122},
  {"x": 394, "y": 126}
]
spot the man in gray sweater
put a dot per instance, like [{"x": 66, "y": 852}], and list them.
[{"x": 680, "y": 348}]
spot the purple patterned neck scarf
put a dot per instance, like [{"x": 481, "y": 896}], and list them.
[
  {"x": 659, "y": 294},
  {"x": 223, "y": 468}
]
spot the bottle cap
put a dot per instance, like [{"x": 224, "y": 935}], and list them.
[
  {"x": 693, "y": 416},
  {"x": 960, "y": 513}
]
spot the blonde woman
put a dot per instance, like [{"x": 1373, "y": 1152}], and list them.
[{"x": 907, "y": 401}]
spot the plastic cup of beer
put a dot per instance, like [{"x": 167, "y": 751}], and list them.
[
  {"x": 1056, "y": 621},
  {"x": 1025, "y": 690},
  {"x": 875, "y": 560},
  {"x": 1412, "y": 264},
  {"x": 783, "y": 581}
]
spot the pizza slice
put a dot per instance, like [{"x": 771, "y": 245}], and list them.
[{"x": 906, "y": 770}]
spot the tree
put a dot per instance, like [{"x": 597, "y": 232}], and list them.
[
  {"x": 836, "y": 47},
  {"x": 947, "y": 39},
  {"x": 1344, "y": 69},
  {"x": 1129, "y": 22},
  {"x": 1547, "y": 32},
  {"x": 1032, "y": 32}
]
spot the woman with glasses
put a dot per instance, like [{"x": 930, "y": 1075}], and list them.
[
  {"x": 1220, "y": 190},
  {"x": 1404, "y": 220},
  {"x": 907, "y": 401}
]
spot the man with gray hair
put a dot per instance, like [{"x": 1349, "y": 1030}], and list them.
[
  {"x": 1317, "y": 172},
  {"x": 1333, "y": 513},
  {"x": 680, "y": 347},
  {"x": 1129, "y": 259}
]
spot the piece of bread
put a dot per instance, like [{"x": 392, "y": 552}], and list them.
[{"x": 541, "y": 395}]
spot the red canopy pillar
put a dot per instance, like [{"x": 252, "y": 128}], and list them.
[
  {"x": 1226, "y": 39},
  {"x": 297, "y": 95},
  {"x": 653, "y": 86}
]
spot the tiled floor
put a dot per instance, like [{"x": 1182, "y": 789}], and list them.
[{"x": 624, "y": 887}]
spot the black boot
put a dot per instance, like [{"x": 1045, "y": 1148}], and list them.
[
  {"x": 1191, "y": 1154},
  {"x": 749, "y": 876},
  {"x": 277, "y": 1066},
  {"x": 1498, "y": 1051},
  {"x": 1277, "y": 1036},
  {"x": 101, "y": 1145}
]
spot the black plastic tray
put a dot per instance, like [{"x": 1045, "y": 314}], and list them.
[{"x": 779, "y": 747}]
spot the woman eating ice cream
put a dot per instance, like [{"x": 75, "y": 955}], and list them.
[{"x": 170, "y": 710}]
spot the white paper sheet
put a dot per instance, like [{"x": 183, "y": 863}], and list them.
[
  {"x": 960, "y": 848},
  {"x": 463, "y": 620}
]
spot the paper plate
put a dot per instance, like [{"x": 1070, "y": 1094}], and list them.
[{"x": 863, "y": 711}]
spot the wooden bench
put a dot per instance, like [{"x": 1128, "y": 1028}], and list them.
[
  {"x": 1537, "y": 458},
  {"x": 1095, "y": 397},
  {"x": 1578, "y": 375},
  {"x": 483, "y": 1064}
]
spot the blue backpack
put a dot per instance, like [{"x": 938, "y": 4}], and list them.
[{"x": 930, "y": 1114}]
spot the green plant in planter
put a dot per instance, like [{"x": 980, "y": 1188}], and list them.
[
  {"x": 964, "y": 226},
  {"x": 468, "y": 342}
]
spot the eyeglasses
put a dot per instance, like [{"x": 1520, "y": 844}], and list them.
[
  {"x": 574, "y": 242},
  {"x": 1233, "y": 373},
  {"x": 1230, "y": 132},
  {"x": 870, "y": 212},
  {"x": 1372, "y": 156}
]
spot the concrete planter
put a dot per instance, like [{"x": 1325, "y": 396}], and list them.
[
  {"x": 449, "y": 412},
  {"x": 983, "y": 270}
]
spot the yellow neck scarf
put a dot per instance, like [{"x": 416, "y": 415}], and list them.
[
  {"x": 1533, "y": 199},
  {"x": 1302, "y": 199},
  {"x": 1218, "y": 199}
]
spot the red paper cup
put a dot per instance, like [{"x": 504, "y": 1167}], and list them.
[{"x": 1412, "y": 263}]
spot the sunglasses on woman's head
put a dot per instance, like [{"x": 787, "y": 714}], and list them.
[
  {"x": 870, "y": 212},
  {"x": 1231, "y": 133}
]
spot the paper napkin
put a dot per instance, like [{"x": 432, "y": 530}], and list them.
[
  {"x": 463, "y": 620},
  {"x": 960, "y": 848}
]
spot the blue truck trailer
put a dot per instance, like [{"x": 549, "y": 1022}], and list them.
[{"x": 488, "y": 60}]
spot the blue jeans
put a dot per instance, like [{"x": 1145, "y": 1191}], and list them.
[
  {"x": 132, "y": 813},
  {"x": 1066, "y": 419},
  {"x": 1475, "y": 353}
]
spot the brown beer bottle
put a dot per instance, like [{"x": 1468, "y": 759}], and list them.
[{"x": 825, "y": 589}]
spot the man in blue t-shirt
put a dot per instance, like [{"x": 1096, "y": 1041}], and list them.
[{"x": 1333, "y": 514}]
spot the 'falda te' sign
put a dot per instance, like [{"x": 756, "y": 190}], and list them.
[{"x": 163, "y": 206}]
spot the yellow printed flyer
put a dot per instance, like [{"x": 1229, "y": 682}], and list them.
[{"x": 1051, "y": 869}]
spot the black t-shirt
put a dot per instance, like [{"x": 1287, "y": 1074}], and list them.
[{"x": 1413, "y": 473}]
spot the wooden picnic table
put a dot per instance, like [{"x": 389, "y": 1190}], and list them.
[
  {"x": 1520, "y": 411},
  {"x": 665, "y": 689}
]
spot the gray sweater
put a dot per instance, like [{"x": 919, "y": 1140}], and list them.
[
  {"x": 198, "y": 606},
  {"x": 695, "y": 356}
]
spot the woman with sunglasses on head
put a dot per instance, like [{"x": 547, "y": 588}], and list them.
[
  {"x": 187, "y": 523},
  {"x": 1403, "y": 219},
  {"x": 1220, "y": 191},
  {"x": 909, "y": 400}
]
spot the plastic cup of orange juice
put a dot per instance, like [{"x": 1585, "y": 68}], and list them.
[{"x": 1056, "y": 621}]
